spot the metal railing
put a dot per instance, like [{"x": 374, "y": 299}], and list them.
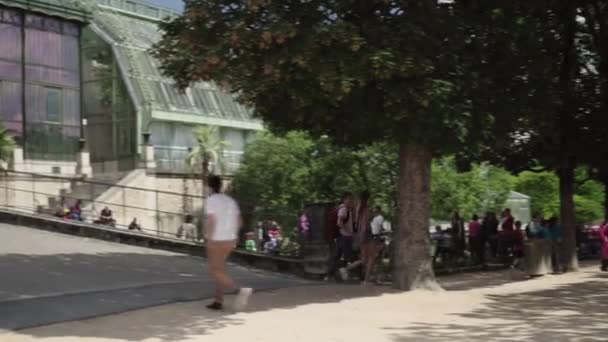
[{"x": 157, "y": 212}]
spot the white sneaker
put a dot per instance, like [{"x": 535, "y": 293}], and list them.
[
  {"x": 242, "y": 299},
  {"x": 343, "y": 273}
]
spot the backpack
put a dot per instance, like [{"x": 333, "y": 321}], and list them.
[{"x": 332, "y": 230}]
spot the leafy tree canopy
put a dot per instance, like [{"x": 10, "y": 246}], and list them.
[{"x": 357, "y": 71}]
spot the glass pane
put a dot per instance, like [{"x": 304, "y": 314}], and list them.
[
  {"x": 203, "y": 102},
  {"x": 100, "y": 129},
  {"x": 51, "y": 75},
  {"x": 125, "y": 135},
  {"x": 71, "y": 29},
  {"x": 94, "y": 101},
  {"x": 53, "y": 104},
  {"x": 10, "y": 42},
  {"x": 131, "y": 6},
  {"x": 43, "y": 48},
  {"x": 51, "y": 141},
  {"x": 52, "y": 25},
  {"x": 71, "y": 107},
  {"x": 34, "y": 98},
  {"x": 10, "y": 16},
  {"x": 10, "y": 70},
  {"x": 51, "y": 49},
  {"x": 34, "y": 21},
  {"x": 11, "y": 106},
  {"x": 234, "y": 137}
]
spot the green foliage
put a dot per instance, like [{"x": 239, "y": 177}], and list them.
[
  {"x": 279, "y": 175},
  {"x": 7, "y": 143},
  {"x": 275, "y": 173},
  {"x": 587, "y": 210},
  {"x": 327, "y": 67},
  {"x": 483, "y": 188},
  {"x": 543, "y": 189}
]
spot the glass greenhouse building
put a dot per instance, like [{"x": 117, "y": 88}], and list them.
[{"x": 72, "y": 70}]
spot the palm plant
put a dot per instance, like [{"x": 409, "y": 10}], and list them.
[
  {"x": 7, "y": 144},
  {"x": 205, "y": 153},
  {"x": 207, "y": 150}
]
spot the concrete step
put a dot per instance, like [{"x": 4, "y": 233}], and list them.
[{"x": 85, "y": 191}]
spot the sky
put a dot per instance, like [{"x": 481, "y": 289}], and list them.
[{"x": 173, "y": 4}]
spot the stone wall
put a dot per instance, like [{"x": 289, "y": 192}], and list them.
[
  {"x": 158, "y": 203},
  {"x": 27, "y": 194}
]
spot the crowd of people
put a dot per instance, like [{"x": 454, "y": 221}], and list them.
[
  {"x": 267, "y": 238},
  {"x": 76, "y": 212},
  {"x": 73, "y": 212},
  {"x": 498, "y": 239}
]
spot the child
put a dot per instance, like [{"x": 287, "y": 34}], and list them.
[
  {"x": 187, "y": 229},
  {"x": 272, "y": 246},
  {"x": 250, "y": 244}
]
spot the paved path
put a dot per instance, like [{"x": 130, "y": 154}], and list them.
[
  {"x": 47, "y": 277},
  {"x": 477, "y": 307}
]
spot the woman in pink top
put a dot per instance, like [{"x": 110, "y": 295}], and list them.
[{"x": 603, "y": 234}]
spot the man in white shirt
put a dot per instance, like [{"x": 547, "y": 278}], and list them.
[
  {"x": 221, "y": 232},
  {"x": 377, "y": 223}
]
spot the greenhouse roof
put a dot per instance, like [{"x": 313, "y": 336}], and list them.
[
  {"x": 78, "y": 10},
  {"x": 132, "y": 28}
]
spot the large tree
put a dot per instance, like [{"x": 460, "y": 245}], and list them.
[
  {"x": 556, "y": 109},
  {"x": 595, "y": 18},
  {"x": 357, "y": 71}
]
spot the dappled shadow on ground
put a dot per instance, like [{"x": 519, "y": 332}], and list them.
[
  {"x": 574, "y": 312},
  {"x": 558, "y": 313},
  {"x": 482, "y": 279},
  {"x": 181, "y": 321}
]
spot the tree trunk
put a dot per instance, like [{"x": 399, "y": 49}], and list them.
[
  {"x": 567, "y": 213},
  {"x": 412, "y": 262},
  {"x": 567, "y": 134}
]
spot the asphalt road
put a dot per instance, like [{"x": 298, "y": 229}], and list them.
[{"x": 48, "y": 277}]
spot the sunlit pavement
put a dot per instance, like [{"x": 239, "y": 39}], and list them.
[{"x": 48, "y": 277}]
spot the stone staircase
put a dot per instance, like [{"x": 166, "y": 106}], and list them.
[{"x": 87, "y": 191}]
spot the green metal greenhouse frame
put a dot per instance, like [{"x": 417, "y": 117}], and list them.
[{"x": 124, "y": 96}]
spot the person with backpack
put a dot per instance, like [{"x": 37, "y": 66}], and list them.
[
  {"x": 363, "y": 235},
  {"x": 342, "y": 229}
]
